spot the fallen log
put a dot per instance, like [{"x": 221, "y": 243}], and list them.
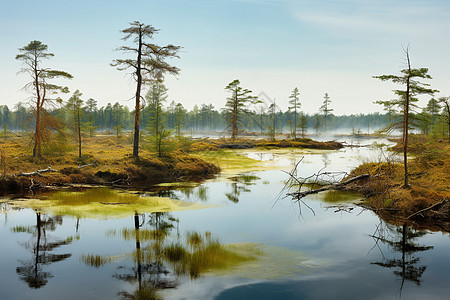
[
  {"x": 428, "y": 208},
  {"x": 37, "y": 172},
  {"x": 85, "y": 166},
  {"x": 88, "y": 165},
  {"x": 299, "y": 195}
]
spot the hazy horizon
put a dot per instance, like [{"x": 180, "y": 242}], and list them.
[{"x": 325, "y": 46}]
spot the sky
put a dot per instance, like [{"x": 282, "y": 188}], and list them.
[{"x": 271, "y": 46}]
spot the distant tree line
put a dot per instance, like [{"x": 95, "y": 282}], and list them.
[
  {"x": 117, "y": 118},
  {"x": 48, "y": 117}
]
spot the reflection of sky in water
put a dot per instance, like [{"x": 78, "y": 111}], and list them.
[{"x": 336, "y": 243}]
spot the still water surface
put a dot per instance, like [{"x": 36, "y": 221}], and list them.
[{"x": 337, "y": 250}]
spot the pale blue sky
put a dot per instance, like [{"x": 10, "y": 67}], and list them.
[{"x": 320, "y": 46}]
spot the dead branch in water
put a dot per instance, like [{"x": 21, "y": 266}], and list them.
[
  {"x": 299, "y": 195},
  {"x": 37, "y": 172}
]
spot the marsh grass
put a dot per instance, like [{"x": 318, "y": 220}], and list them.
[
  {"x": 202, "y": 255},
  {"x": 246, "y": 179},
  {"x": 429, "y": 178},
  {"x": 111, "y": 163},
  {"x": 146, "y": 293},
  {"x": 197, "y": 254},
  {"x": 22, "y": 229},
  {"x": 129, "y": 234},
  {"x": 94, "y": 260}
]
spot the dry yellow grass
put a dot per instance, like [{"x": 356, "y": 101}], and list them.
[
  {"x": 113, "y": 163},
  {"x": 429, "y": 178}
]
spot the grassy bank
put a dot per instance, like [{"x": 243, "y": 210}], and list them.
[
  {"x": 429, "y": 176},
  {"x": 225, "y": 143},
  {"x": 106, "y": 161}
]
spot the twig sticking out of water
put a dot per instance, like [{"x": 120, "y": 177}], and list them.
[{"x": 301, "y": 194}]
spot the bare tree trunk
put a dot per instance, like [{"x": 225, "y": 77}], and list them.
[
  {"x": 295, "y": 122},
  {"x": 235, "y": 118},
  {"x": 447, "y": 106},
  {"x": 138, "y": 99},
  {"x": 79, "y": 132},
  {"x": 37, "y": 135},
  {"x": 406, "y": 123},
  {"x": 37, "y": 132}
]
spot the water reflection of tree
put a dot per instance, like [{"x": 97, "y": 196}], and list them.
[
  {"x": 159, "y": 259},
  {"x": 4, "y": 208},
  {"x": 200, "y": 193},
  {"x": 32, "y": 271},
  {"x": 238, "y": 185},
  {"x": 402, "y": 239},
  {"x": 149, "y": 272},
  {"x": 326, "y": 159}
]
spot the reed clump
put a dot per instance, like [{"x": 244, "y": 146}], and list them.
[{"x": 202, "y": 255}]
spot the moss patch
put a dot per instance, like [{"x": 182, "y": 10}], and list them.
[
  {"x": 268, "y": 262},
  {"x": 231, "y": 162},
  {"x": 102, "y": 203}
]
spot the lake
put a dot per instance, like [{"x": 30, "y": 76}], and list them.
[{"x": 232, "y": 237}]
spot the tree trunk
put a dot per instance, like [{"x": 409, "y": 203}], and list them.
[
  {"x": 138, "y": 99},
  {"x": 406, "y": 123},
  {"x": 235, "y": 117},
  {"x": 79, "y": 134},
  {"x": 447, "y": 106},
  {"x": 138, "y": 250},
  {"x": 295, "y": 121},
  {"x": 38, "y": 243},
  {"x": 37, "y": 132}
]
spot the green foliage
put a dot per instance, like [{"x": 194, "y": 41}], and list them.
[
  {"x": 90, "y": 111},
  {"x": 74, "y": 117},
  {"x": 40, "y": 87},
  {"x": 156, "y": 96},
  {"x": 236, "y": 106},
  {"x": 445, "y": 101},
  {"x": 325, "y": 109},
  {"x": 57, "y": 144},
  {"x": 149, "y": 66},
  {"x": 184, "y": 143},
  {"x": 180, "y": 113},
  {"x": 406, "y": 101},
  {"x": 159, "y": 136},
  {"x": 161, "y": 143}
]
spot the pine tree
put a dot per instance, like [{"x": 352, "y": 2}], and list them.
[
  {"x": 407, "y": 100},
  {"x": 73, "y": 106},
  {"x": 236, "y": 106},
  {"x": 325, "y": 109},
  {"x": 445, "y": 101},
  {"x": 148, "y": 66},
  {"x": 40, "y": 87},
  {"x": 295, "y": 105},
  {"x": 156, "y": 96},
  {"x": 91, "y": 111}
]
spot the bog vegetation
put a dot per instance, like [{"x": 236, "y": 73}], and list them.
[{"x": 149, "y": 144}]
